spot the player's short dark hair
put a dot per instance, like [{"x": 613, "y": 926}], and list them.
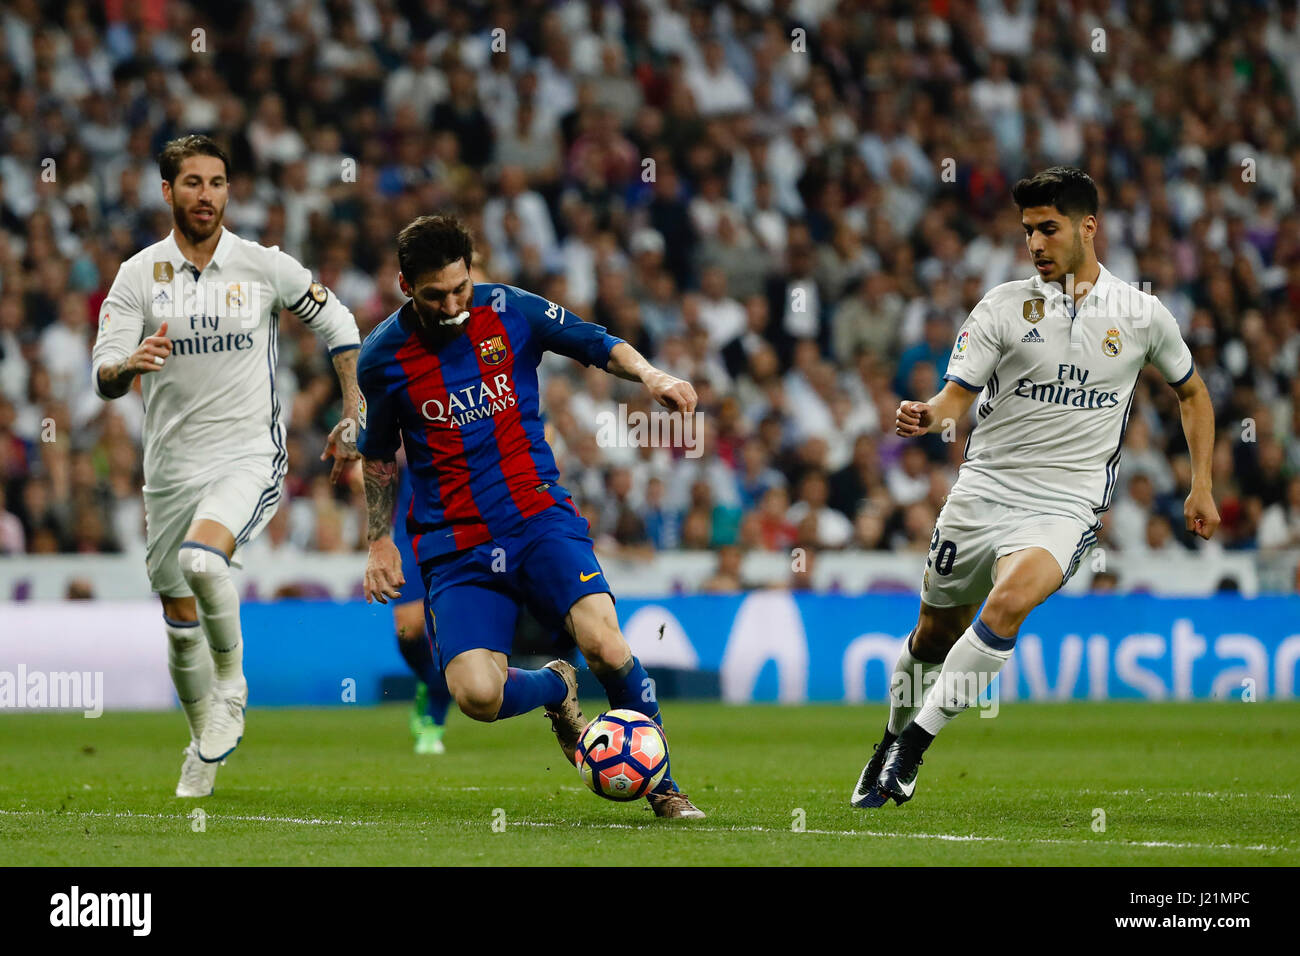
[
  {"x": 176, "y": 151},
  {"x": 431, "y": 243},
  {"x": 1069, "y": 189}
]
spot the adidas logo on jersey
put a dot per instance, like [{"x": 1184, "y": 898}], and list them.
[{"x": 1033, "y": 336}]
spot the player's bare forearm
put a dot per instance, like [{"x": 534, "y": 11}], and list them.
[
  {"x": 115, "y": 379},
  {"x": 151, "y": 354},
  {"x": 1197, "y": 412},
  {"x": 381, "y": 496},
  {"x": 345, "y": 366},
  {"x": 342, "y": 442},
  {"x": 919, "y": 418},
  {"x": 668, "y": 390}
]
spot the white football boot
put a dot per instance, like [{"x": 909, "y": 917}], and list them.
[
  {"x": 225, "y": 725},
  {"x": 198, "y": 778}
]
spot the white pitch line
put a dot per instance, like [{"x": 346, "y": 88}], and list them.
[
  {"x": 1215, "y": 794},
  {"x": 950, "y": 837},
  {"x": 543, "y": 824}
]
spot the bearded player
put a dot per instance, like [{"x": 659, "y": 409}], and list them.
[
  {"x": 195, "y": 316},
  {"x": 452, "y": 377},
  {"x": 1056, "y": 358}
]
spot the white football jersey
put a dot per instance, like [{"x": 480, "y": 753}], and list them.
[
  {"x": 1056, "y": 387},
  {"x": 214, "y": 401}
]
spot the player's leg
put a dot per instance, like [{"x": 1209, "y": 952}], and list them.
[
  {"x": 476, "y": 627},
  {"x": 937, "y": 630},
  {"x": 1033, "y": 561},
  {"x": 594, "y": 626},
  {"x": 189, "y": 661},
  {"x": 432, "y": 697},
  {"x": 233, "y": 509},
  {"x": 958, "y": 575}
]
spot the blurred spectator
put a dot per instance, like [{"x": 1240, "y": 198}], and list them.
[{"x": 784, "y": 229}]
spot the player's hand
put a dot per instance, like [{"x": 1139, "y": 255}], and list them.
[
  {"x": 1201, "y": 514},
  {"x": 914, "y": 418},
  {"x": 342, "y": 447},
  {"x": 671, "y": 392},
  {"x": 152, "y": 353},
  {"x": 384, "y": 578}
]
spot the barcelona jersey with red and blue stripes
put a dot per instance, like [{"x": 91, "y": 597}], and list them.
[{"x": 468, "y": 414}]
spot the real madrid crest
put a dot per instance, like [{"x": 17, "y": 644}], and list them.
[
  {"x": 1111, "y": 345},
  {"x": 163, "y": 272},
  {"x": 492, "y": 349},
  {"x": 318, "y": 292},
  {"x": 234, "y": 300},
  {"x": 1032, "y": 310}
]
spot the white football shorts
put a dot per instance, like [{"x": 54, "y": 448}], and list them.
[
  {"x": 972, "y": 533},
  {"x": 242, "y": 497}
]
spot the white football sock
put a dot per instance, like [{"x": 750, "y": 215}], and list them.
[
  {"x": 907, "y": 687},
  {"x": 207, "y": 571},
  {"x": 967, "y": 672},
  {"x": 190, "y": 663}
]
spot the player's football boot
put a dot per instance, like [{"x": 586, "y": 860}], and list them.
[
  {"x": 225, "y": 727},
  {"x": 866, "y": 795},
  {"x": 566, "y": 719},
  {"x": 428, "y": 737},
  {"x": 198, "y": 778},
  {"x": 675, "y": 805},
  {"x": 898, "y": 775}
]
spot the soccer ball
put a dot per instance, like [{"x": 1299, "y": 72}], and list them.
[{"x": 622, "y": 755}]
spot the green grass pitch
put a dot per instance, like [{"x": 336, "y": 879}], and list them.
[{"x": 1180, "y": 784}]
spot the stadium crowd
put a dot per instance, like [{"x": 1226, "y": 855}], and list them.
[{"x": 794, "y": 205}]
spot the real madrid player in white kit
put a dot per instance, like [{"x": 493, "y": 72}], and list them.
[
  {"x": 1054, "y": 360},
  {"x": 196, "y": 316}
]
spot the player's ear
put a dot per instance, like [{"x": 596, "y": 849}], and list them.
[{"x": 402, "y": 284}]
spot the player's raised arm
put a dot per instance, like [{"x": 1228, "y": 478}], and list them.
[
  {"x": 323, "y": 313},
  {"x": 120, "y": 354},
  {"x": 975, "y": 355},
  {"x": 558, "y": 330},
  {"x": 671, "y": 392}
]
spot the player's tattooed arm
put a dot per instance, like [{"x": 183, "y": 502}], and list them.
[
  {"x": 384, "y": 578},
  {"x": 381, "y": 497},
  {"x": 669, "y": 391},
  {"x": 115, "y": 378},
  {"x": 342, "y": 443}
]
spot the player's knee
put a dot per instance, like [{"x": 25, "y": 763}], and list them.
[
  {"x": 605, "y": 649},
  {"x": 201, "y": 565},
  {"x": 931, "y": 641},
  {"x": 478, "y": 699},
  {"x": 1006, "y": 609}
]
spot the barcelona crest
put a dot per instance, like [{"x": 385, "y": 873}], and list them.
[
  {"x": 1111, "y": 344},
  {"x": 492, "y": 350}
]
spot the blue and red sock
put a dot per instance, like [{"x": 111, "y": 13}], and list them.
[{"x": 631, "y": 688}]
